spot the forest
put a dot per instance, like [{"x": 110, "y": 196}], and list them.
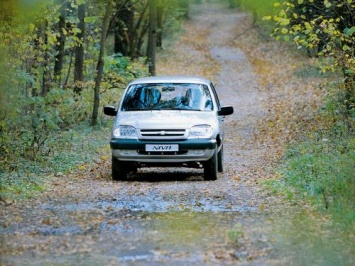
[{"x": 62, "y": 60}]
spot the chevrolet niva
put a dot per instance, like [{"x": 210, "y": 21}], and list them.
[{"x": 168, "y": 121}]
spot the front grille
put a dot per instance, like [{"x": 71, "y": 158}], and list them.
[{"x": 162, "y": 133}]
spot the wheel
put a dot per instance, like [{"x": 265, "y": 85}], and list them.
[
  {"x": 210, "y": 167},
  {"x": 220, "y": 160},
  {"x": 119, "y": 171}
]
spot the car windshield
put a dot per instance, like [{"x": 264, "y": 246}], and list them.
[{"x": 168, "y": 96}]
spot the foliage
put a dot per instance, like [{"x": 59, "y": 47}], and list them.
[
  {"x": 121, "y": 69},
  {"x": 325, "y": 28},
  {"x": 32, "y": 113},
  {"x": 318, "y": 165},
  {"x": 259, "y": 8},
  {"x": 40, "y": 106},
  {"x": 24, "y": 178},
  {"x": 321, "y": 168},
  {"x": 35, "y": 130}
]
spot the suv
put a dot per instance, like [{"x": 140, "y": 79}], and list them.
[{"x": 168, "y": 121}]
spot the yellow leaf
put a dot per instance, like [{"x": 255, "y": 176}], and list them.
[{"x": 238, "y": 178}]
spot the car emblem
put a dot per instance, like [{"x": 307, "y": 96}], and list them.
[{"x": 162, "y": 133}]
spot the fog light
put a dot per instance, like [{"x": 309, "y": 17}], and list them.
[
  {"x": 198, "y": 152},
  {"x": 128, "y": 152}
]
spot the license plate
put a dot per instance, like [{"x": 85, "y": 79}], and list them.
[{"x": 161, "y": 147}]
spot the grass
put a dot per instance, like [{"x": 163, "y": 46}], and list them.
[
  {"x": 82, "y": 145},
  {"x": 320, "y": 169}
]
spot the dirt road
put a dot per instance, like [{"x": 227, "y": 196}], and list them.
[{"x": 173, "y": 217}]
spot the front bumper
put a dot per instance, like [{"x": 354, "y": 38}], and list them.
[{"x": 190, "y": 150}]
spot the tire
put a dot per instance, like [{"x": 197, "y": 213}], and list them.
[
  {"x": 220, "y": 161},
  {"x": 210, "y": 167},
  {"x": 119, "y": 171}
]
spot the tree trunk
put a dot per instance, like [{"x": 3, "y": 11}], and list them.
[
  {"x": 140, "y": 30},
  {"x": 349, "y": 97},
  {"x": 46, "y": 77},
  {"x": 100, "y": 63},
  {"x": 79, "y": 51},
  {"x": 124, "y": 29},
  {"x": 152, "y": 37},
  {"x": 59, "y": 58},
  {"x": 160, "y": 12}
]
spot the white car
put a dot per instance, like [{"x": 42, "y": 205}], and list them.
[{"x": 168, "y": 121}]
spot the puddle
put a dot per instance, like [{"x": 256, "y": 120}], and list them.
[
  {"x": 114, "y": 235},
  {"x": 156, "y": 205}
]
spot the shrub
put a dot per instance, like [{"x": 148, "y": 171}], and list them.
[{"x": 321, "y": 167}]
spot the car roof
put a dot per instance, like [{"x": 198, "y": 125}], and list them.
[{"x": 171, "y": 79}]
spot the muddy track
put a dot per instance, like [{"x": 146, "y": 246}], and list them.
[{"x": 170, "y": 216}]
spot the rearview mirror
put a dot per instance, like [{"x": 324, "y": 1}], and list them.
[
  {"x": 110, "y": 110},
  {"x": 226, "y": 110}
]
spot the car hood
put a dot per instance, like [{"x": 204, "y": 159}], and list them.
[{"x": 166, "y": 119}]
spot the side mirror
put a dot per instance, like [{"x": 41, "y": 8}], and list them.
[
  {"x": 226, "y": 110},
  {"x": 110, "y": 110}
]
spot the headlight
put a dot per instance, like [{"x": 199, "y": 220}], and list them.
[
  {"x": 125, "y": 132},
  {"x": 201, "y": 131}
]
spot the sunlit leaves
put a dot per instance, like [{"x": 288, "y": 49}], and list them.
[
  {"x": 327, "y": 4},
  {"x": 284, "y": 31},
  {"x": 320, "y": 25}
]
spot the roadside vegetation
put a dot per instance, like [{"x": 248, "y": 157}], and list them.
[
  {"x": 319, "y": 160},
  {"x": 60, "y": 63}
]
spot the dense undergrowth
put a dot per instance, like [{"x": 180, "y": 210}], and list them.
[
  {"x": 320, "y": 166},
  {"x": 79, "y": 146},
  {"x": 52, "y": 135}
]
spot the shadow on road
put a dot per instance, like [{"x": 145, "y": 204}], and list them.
[{"x": 153, "y": 175}]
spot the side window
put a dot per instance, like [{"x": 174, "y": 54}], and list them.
[{"x": 215, "y": 96}]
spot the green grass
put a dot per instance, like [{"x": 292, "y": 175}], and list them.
[
  {"x": 260, "y": 7},
  {"x": 320, "y": 169},
  {"x": 79, "y": 145}
]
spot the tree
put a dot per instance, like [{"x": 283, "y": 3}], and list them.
[
  {"x": 160, "y": 22},
  {"x": 59, "y": 58},
  {"x": 100, "y": 61},
  {"x": 124, "y": 28},
  {"x": 328, "y": 26},
  {"x": 79, "y": 50},
  {"x": 152, "y": 36},
  {"x": 129, "y": 27}
]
